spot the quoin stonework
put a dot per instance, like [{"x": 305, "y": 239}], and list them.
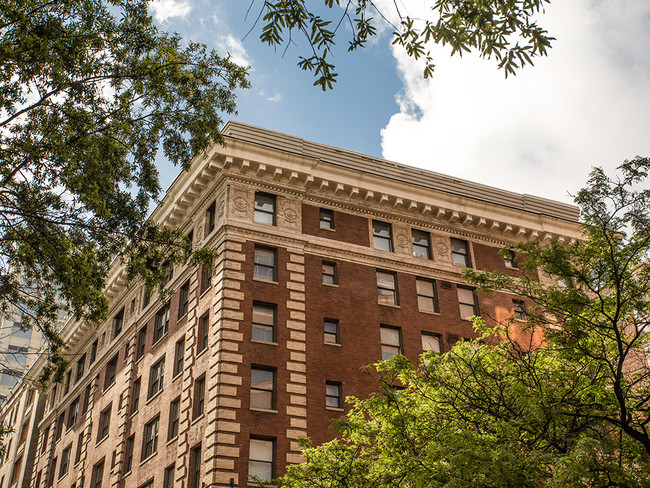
[{"x": 329, "y": 260}]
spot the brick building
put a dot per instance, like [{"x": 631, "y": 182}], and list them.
[{"x": 329, "y": 260}]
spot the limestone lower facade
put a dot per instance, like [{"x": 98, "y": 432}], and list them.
[{"x": 328, "y": 260}]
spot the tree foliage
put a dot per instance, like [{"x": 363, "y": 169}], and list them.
[
  {"x": 571, "y": 411},
  {"x": 505, "y": 30},
  {"x": 90, "y": 93}
]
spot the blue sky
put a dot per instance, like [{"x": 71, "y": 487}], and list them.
[{"x": 587, "y": 104}]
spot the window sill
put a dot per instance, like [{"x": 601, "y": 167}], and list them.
[
  {"x": 148, "y": 458},
  {"x": 429, "y": 313},
  {"x": 133, "y": 414},
  {"x": 335, "y": 409},
  {"x": 108, "y": 388},
  {"x": 261, "y": 280},
  {"x": 335, "y": 344},
  {"x": 182, "y": 317},
  {"x": 172, "y": 440},
  {"x": 333, "y": 285},
  {"x": 207, "y": 288},
  {"x": 127, "y": 473},
  {"x": 156, "y": 395},
  {"x": 177, "y": 375},
  {"x": 100, "y": 441},
  {"x": 327, "y": 229},
  {"x": 255, "y": 341},
  {"x": 159, "y": 340},
  {"x": 63, "y": 477},
  {"x": 388, "y": 305},
  {"x": 200, "y": 353},
  {"x": 197, "y": 419},
  {"x": 512, "y": 267},
  {"x": 263, "y": 410}
]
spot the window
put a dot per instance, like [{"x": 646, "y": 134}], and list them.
[
  {"x": 210, "y": 214},
  {"x": 142, "y": 341},
  {"x": 421, "y": 244},
  {"x": 156, "y": 375},
  {"x": 93, "y": 352},
  {"x": 104, "y": 423},
  {"x": 15, "y": 472},
  {"x": 386, "y": 288},
  {"x": 86, "y": 400},
  {"x": 168, "y": 479},
  {"x": 467, "y": 302},
  {"x": 263, "y": 323},
  {"x": 391, "y": 342},
  {"x": 381, "y": 236},
  {"x": 10, "y": 377},
  {"x": 204, "y": 330},
  {"x": 80, "y": 443},
  {"x": 519, "y": 309},
  {"x": 195, "y": 463},
  {"x": 261, "y": 459},
  {"x": 184, "y": 299},
  {"x": 262, "y": 388},
  {"x": 150, "y": 441},
  {"x": 264, "y": 263},
  {"x": 46, "y": 435},
  {"x": 264, "y": 208},
  {"x": 174, "y": 415},
  {"x": 19, "y": 330},
  {"x": 162, "y": 323},
  {"x": 333, "y": 394},
  {"x": 118, "y": 321},
  {"x": 65, "y": 461},
  {"x": 431, "y": 342},
  {"x": 50, "y": 476},
  {"x": 59, "y": 427},
  {"x": 326, "y": 218},
  {"x": 81, "y": 364},
  {"x": 206, "y": 277},
  {"x": 510, "y": 259},
  {"x": 179, "y": 353},
  {"x": 135, "y": 401},
  {"x": 98, "y": 474},
  {"x": 331, "y": 331},
  {"x": 132, "y": 307},
  {"x": 128, "y": 462},
  {"x": 168, "y": 271},
  {"x": 190, "y": 239},
  {"x": 460, "y": 252},
  {"x": 146, "y": 298},
  {"x": 17, "y": 353},
  {"x": 426, "y": 290},
  {"x": 66, "y": 382},
  {"x": 111, "y": 371},
  {"x": 329, "y": 273},
  {"x": 199, "y": 397},
  {"x": 72, "y": 413}
]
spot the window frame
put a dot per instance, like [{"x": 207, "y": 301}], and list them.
[
  {"x": 104, "y": 423},
  {"x": 385, "y": 345},
  {"x": 259, "y": 266},
  {"x": 519, "y": 310},
  {"x": 184, "y": 299},
  {"x": 260, "y": 215},
  {"x": 394, "y": 289},
  {"x": 336, "y": 396},
  {"x": 141, "y": 343},
  {"x": 325, "y": 276},
  {"x": 198, "y": 404},
  {"x": 111, "y": 371},
  {"x": 156, "y": 377},
  {"x": 135, "y": 395},
  {"x": 326, "y": 216},
  {"x": 377, "y": 238},
  {"x": 271, "y": 463},
  {"x": 203, "y": 333},
  {"x": 210, "y": 218},
  {"x": 128, "y": 456},
  {"x": 510, "y": 259},
  {"x": 174, "y": 418},
  {"x": 255, "y": 387},
  {"x": 336, "y": 334},
  {"x": 118, "y": 322},
  {"x": 65, "y": 461},
  {"x": 463, "y": 254},
  {"x": 427, "y": 236},
  {"x": 179, "y": 357},
  {"x": 259, "y": 326},
  {"x": 433, "y": 299},
  {"x": 437, "y": 337},
  {"x": 150, "y": 438},
  {"x": 474, "y": 305},
  {"x": 161, "y": 323},
  {"x": 98, "y": 474}
]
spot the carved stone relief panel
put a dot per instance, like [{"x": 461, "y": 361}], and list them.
[
  {"x": 289, "y": 212},
  {"x": 241, "y": 203},
  {"x": 220, "y": 209},
  {"x": 441, "y": 248},
  {"x": 402, "y": 237}
]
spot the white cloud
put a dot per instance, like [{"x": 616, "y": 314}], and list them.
[
  {"x": 233, "y": 46},
  {"x": 541, "y": 131},
  {"x": 166, "y": 9},
  {"x": 275, "y": 98}
]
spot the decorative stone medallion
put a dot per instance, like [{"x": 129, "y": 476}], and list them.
[
  {"x": 290, "y": 215},
  {"x": 402, "y": 240},
  {"x": 241, "y": 204},
  {"x": 442, "y": 249}
]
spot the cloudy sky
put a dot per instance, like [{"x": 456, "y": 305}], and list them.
[{"x": 586, "y": 104}]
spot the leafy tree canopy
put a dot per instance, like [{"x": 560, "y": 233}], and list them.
[
  {"x": 506, "y": 30},
  {"x": 90, "y": 93},
  {"x": 498, "y": 412}
]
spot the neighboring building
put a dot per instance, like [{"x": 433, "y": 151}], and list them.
[
  {"x": 18, "y": 350},
  {"x": 329, "y": 260}
]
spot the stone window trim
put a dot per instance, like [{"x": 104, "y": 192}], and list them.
[
  {"x": 265, "y": 208},
  {"x": 421, "y": 244},
  {"x": 382, "y": 236},
  {"x": 326, "y": 219},
  {"x": 460, "y": 252}
]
